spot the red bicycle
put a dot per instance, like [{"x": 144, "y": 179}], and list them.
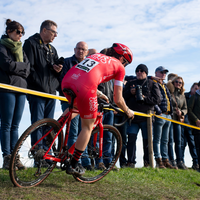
[{"x": 51, "y": 149}]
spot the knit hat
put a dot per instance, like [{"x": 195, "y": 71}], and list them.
[{"x": 142, "y": 67}]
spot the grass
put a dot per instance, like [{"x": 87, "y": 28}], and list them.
[{"x": 139, "y": 183}]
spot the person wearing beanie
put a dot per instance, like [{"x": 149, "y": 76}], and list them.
[
  {"x": 142, "y": 67},
  {"x": 141, "y": 94}
]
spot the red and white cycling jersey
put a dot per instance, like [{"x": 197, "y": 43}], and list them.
[{"x": 85, "y": 77}]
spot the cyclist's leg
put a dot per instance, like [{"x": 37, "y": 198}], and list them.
[{"x": 81, "y": 143}]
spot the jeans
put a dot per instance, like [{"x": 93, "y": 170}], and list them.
[
  {"x": 40, "y": 108},
  {"x": 11, "y": 109},
  {"x": 161, "y": 136},
  {"x": 188, "y": 138},
  {"x": 197, "y": 143},
  {"x": 75, "y": 128},
  {"x": 108, "y": 143},
  {"x": 171, "y": 143},
  {"x": 175, "y": 135},
  {"x": 132, "y": 131},
  {"x": 123, "y": 131}
]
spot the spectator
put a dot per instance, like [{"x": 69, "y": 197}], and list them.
[
  {"x": 91, "y": 51},
  {"x": 44, "y": 73},
  {"x": 80, "y": 52},
  {"x": 149, "y": 94},
  {"x": 161, "y": 126},
  {"x": 176, "y": 88},
  {"x": 14, "y": 69},
  {"x": 171, "y": 76},
  {"x": 108, "y": 118},
  {"x": 194, "y": 118},
  {"x": 186, "y": 132}
]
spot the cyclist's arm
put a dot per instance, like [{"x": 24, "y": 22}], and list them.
[{"x": 119, "y": 100}]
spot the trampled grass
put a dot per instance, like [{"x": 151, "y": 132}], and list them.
[{"x": 139, "y": 183}]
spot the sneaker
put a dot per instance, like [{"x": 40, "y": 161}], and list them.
[
  {"x": 78, "y": 171},
  {"x": 101, "y": 166},
  {"x": 130, "y": 165},
  {"x": 195, "y": 166},
  {"x": 173, "y": 163},
  {"x": 181, "y": 165},
  {"x": 19, "y": 164},
  {"x": 6, "y": 162},
  {"x": 167, "y": 164}
]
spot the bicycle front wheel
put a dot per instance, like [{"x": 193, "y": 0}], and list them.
[
  {"x": 112, "y": 146},
  {"x": 35, "y": 169}
]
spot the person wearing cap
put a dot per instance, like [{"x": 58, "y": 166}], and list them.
[
  {"x": 148, "y": 92},
  {"x": 161, "y": 127}
]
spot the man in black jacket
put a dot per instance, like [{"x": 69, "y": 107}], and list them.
[
  {"x": 44, "y": 72},
  {"x": 186, "y": 132},
  {"x": 141, "y": 94},
  {"x": 80, "y": 52}
]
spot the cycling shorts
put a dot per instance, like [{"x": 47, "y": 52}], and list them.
[{"x": 85, "y": 101}]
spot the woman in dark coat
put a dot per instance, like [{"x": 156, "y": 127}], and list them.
[{"x": 14, "y": 69}]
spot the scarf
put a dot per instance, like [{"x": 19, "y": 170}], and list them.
[{"x": 15, "y": 48}]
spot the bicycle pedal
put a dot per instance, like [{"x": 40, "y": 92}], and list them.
[{"x": 64, "y": 164}]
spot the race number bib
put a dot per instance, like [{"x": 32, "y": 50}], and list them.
[{"x": 87, "y": 65}]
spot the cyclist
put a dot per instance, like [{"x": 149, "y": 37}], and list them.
[{"x": 84, "y": 79}]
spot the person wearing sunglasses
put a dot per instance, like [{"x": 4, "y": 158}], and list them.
[
  {"x": 141, "y": 94},
  {"x": 179, "y": 104},
  {"x": 14, "y": 70},
  {"x": 161, "y": 127}
]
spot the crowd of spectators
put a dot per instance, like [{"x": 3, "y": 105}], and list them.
[{"x": 37, "y": 66}]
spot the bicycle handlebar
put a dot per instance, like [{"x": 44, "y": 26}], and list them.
[{"x": 104, "y": 104}]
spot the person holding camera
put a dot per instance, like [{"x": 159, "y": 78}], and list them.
[
  {"x": 45, "y": 71},
  {"x": 141, "y": 94}
]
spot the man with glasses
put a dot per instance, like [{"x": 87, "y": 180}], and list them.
[
  {"x": 44, "y": 72},
  {"x": 80, "y": 53},
  {"x": 161, "y": 127},
  {"x": 141, "y": 94}
]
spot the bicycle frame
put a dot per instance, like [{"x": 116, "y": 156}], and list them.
[{"x": 67, "y": 120}]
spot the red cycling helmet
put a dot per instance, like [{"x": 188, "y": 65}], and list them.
[{"x": 123, "y": 50}]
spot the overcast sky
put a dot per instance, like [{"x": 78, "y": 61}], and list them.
[{"x": 159, "y": 32}]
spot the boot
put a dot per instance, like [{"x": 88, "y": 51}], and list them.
[
  {"x": 6, "y": 162},
  {"x": 19, "y": 164},
  {"x": 168, "y": 165},
  {"x": 159, "y": 163}
]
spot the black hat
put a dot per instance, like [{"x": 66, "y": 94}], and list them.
[{"x": 143, "y": 67}]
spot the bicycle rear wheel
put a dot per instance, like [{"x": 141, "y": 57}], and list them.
[
  {"x": 37, "y": 169},
  {"x": 109, "y": 157}
]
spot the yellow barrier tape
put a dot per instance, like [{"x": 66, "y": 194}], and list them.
[
  {"x": 33, "y": 92},
  {"x": 177, "y": 122},
  {"x": 42, "y": 94}
]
